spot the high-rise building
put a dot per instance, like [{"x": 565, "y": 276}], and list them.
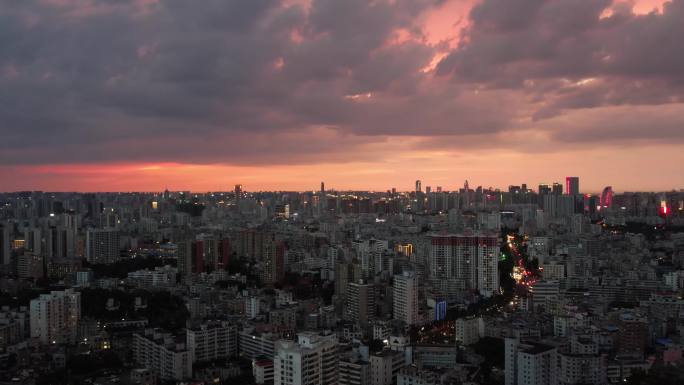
[
  {"x": 468, "y": 329},
  {"x": 385, "y": 366},
  {"x": 632, "y": 335},
  {"x": 224, "y": 252},
  {"x": 544, "y": 189},
  {"x": 162, "y": 353},
  {"x": 273, "y": 267},
  {"x": 467, "y": 200},
  {"x": 606, "y": 198},
  {"x": 254, "y": 344},
  {"x": 252, "y": 307},
  {"x": 354, "y": 370},
  {"x": 557, "y": 188},
  {"x": 529, "y": 363},
  {"x": 262, "y": 370},
  {"x": 310, "y": 360},
  {"x": 56, "y": 242},
  {"x": 470, "y": 260},
  {"x": 211, "y": 341},
  {"x": 238, "y": 192},
  {"x": 5, "y": 244},
  {"x": 32, "y": 240},
  {"x": 405, "y": 297},
  {"x": 418, "y": 186},
  {"x": 559, "y": 206},
  {"x": 203, "y": 255},
  {"x": 102, "y": 245},
  {"x": 414, "y": 376},
  {"x": 54, "y": 317},
  {"x": 360, "y": 302},
  {"x": 572, "y": 185},
  {"x": 344, "y": 274},
  {"x": 184, "y": 258},
  {"x": 582, "y": 363},
  {"x": 30, "y": 265}
]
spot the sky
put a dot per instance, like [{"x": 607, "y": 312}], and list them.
[{"x": 143, "y": 95}]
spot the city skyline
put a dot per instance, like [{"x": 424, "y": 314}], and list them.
[
  {"x": 283, "y": 95},
  {"x": 254, "y": 183}
]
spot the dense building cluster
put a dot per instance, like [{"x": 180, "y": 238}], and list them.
[{"x": 545, "y": 286}]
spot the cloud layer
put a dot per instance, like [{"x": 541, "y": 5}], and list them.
[{"x": 266, "y": 82}]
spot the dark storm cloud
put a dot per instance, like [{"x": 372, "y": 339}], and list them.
[
  {"x": 516, "y": 44},
  {"x": 259, "y": 81},
  {"x": 93, "y": 80}
]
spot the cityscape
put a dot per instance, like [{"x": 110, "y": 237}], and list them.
[
  {"x": 341, "y": 192},
  {"x": 542, "y": 285}
]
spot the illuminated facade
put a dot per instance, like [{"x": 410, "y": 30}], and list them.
[{"x": 607, "y": 197}]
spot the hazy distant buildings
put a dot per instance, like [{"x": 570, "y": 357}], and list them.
[
  {"x": 606, "y": 198},
  {"x": 557, "y": 188},
  {"x": 572, "y": 185}
]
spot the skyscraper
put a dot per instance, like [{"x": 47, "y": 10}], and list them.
[
  {"x": 572, "y": 185},
  {"x": 405, "y": 297},
  {"x": 607, "y": 197},
  {"x": 418, "y": 186},
  {"x": 544, "y": 189},
  {"x": 466, "y": 194}
]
